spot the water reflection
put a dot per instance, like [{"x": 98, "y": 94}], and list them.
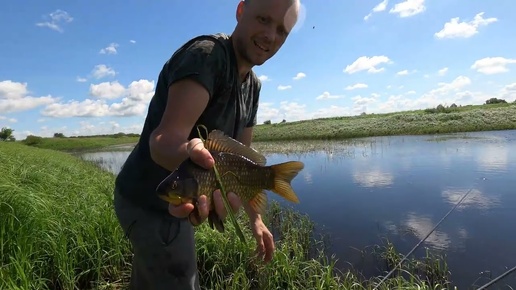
[
  {"x": 374, "y": 178},
  {"x": 361, "y": 190},
  {"x": 475, "y": 199}
]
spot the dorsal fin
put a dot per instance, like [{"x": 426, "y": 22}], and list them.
[{"x": 218, "y": 141}]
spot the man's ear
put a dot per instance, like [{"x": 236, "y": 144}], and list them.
[{"x": 239, "y": 10}]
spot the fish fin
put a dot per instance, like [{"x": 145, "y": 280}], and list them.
[
  {"x": 259, "y": 202},
  {"x": 215, "y": 221},
  {"x": 283, "y": 175},
  {"x": 218, "y": 141}
]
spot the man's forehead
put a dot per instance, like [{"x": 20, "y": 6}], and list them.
[{"x": 284, "y": 11}]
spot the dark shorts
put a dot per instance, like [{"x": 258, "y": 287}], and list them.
[{"x": 163, "y": 247}]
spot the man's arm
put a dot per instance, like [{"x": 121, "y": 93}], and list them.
[{"x": 187, "y": 99}]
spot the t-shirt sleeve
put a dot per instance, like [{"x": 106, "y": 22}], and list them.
[
  {"x": 203, "y": 61},
  {"x": 254, "y": 112}
]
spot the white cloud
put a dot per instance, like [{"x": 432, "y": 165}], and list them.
[
  {"x": 81, "y": 79},
  {"x": 327, "y": 95},
  {"x": 107, "y": 90},
  {"x": 132, "y": 41},
  {"x": 442, "y": 71},
  {"x": 409, "y": 8},
  {"x": 367, "y": 63},
  {"x": 492, "y": 65},
  {"x": 264, "y": 78},
  {"x": 282, "y": 87},
  {"x": 10, "y": 120},
  {"x": 356, "y": 86},
  {"x": 299, "y": 76},
  {"x": 508, "y": 93},
  {"x": 402, "y": 73},
  {"x": 14, "y": 98},
  {"x": 456, "y": 29},
  {"x": 378, "y": 8},
  {"x": 110, "y": 49},
  {"x": 102, "y": 70},
  {"x": 57, "y": 18},
  {"x": 134, "y": 103}
]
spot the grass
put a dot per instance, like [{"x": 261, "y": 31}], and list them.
[
  {"x": 446, "y": 120},
  {"x": 430, "y": 121},
  {"x": 58, "y": 231}
]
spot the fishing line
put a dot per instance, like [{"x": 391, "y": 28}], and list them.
[
  {"x": 421, "y": 241},
  {"x": 497, "y": 278}
]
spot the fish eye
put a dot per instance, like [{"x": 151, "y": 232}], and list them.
[{"x": 174, "y": 185}]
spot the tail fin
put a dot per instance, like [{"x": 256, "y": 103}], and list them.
[{"x": 283, "y": 175}]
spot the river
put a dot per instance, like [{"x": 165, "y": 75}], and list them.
[{"x": 400, "y": 187}]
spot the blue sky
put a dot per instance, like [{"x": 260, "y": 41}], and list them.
[{"x": 90, "y": 67}]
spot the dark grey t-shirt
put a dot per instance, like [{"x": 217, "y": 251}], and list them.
[{"x": 210, "y": 60}]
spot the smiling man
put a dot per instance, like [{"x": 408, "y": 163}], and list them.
[{"x": 208, "y": 81}]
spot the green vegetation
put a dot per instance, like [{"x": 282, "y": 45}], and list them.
[
  {"x": 81, "y": 142},
  {"x": 452, "y": 119},
  {"x": 58, "y": 230},
  {"x": 496, "y": 114}
]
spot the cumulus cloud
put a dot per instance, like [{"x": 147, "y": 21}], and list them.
[
  {"x": 283, "y": 87},
  {"x": 107, "y": 90},
  {"x": 356, "y": 86},
  {"x": 378, "y": 8},
  {"x": 110, "y": 49},
  {"x": 134, "y": 102},
  {"x": 370, "y": 64},
  {"x": 102, "y": 71},
  {"x": 264, "y": 78},
  {"x": 327, "y": 95},
  {"x": 442, "y": 71},
  {"x": 14, "y": 97},
  {"x": 408, "y": 8},
  {"x": 456, "y": 29},
  {"x": 492, "y": 65},
  {"x": 299, "y": 76}
]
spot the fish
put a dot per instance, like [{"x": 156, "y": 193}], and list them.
[{"x": 242, "y": 170}]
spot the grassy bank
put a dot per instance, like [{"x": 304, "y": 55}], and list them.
[
  {"x": 78, "y": 143},
  {"x": 429, "y": 121},
  {"x": 58, "y": 231}
]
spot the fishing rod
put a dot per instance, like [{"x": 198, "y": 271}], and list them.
[
  {"x": 424, "y": 239},
  {"x": 497, "y": 278}
]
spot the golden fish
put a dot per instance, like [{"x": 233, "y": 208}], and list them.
[{"x": 242, "y": 171}]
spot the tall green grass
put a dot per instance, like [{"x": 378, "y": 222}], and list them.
[{"x": 58, "y": 230}]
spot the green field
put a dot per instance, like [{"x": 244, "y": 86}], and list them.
[
  {"x": 430, "y": 121},
  {"x": 58, "y": 230}
]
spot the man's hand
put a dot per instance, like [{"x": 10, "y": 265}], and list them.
[
  {"x": 264, "y": 240},
  {"x": 201, "y": 156}
]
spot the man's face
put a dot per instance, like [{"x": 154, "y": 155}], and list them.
[{"x": 263, "y": 27}]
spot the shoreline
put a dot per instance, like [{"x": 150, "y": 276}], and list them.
[{"x": 467, "y": 119}]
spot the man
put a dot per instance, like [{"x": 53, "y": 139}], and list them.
[{"x": 209, "y": 81}]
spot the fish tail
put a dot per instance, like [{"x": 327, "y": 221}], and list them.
[{"x": 283, "y": 175}]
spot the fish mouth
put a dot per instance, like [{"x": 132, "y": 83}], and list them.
[
  {"x": 175, "y": 199},
  {"x": 260, "y": 47}
]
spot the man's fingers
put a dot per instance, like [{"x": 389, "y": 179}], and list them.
[
  {"x": 198, "y": 154},
  {"x": 180, "y": 211},
  {"x": 220, "y": 209},
  {"x": 234, "y": 201},
  {"x": 269, "y": 247}
]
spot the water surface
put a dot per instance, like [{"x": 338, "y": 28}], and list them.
[{"x": 400, "y": 187}]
